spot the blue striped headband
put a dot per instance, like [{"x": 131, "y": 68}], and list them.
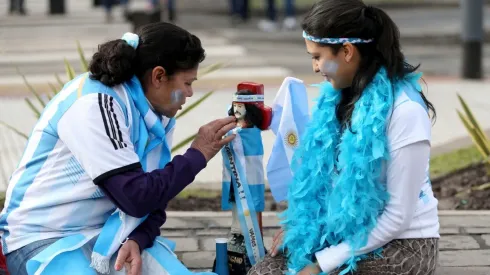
[{"x": 335, "y": 40}]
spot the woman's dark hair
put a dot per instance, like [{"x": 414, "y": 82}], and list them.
[
  {"x": 253, "y": 115},
  {"x": 160, "y": 44},
  {"x": 354, "y": 19}
]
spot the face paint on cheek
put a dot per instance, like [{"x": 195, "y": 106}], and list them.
[
  {"x": 329, "y": 67},
  {"x": 176, "y": 97}
]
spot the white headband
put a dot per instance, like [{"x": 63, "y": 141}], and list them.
[{"x": 248, "y": 98}]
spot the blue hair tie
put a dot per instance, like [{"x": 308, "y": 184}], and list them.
[
  {"x": 132, "y": 39},
  {"x": 335, "y": 40}
]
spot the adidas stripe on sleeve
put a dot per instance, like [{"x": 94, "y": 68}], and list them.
[{"x": 95, "y": 132}]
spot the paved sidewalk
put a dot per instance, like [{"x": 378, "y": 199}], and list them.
[
  {"x": 464, "y": 245},
  {"x": 441, "y": 92},
  {"x": 36, "y": 44}
]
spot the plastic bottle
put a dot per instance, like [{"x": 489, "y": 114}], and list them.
[{"x": 221, "y": 267}]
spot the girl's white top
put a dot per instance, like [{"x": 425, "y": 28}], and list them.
[{"x": 412, "y": 209}]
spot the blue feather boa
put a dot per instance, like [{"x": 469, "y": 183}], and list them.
[{"x": 334, "y": 200}]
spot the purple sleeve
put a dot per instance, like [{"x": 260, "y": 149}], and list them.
[
  {"x": 149, "y": 229},
  {"x": 138, "y": 193}
]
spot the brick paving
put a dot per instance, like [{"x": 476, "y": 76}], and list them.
[{"x": 464, "y": 244}]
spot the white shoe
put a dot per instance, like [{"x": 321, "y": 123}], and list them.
[
  {"x": 289, "y": 23},
  {"x": 267, "y": 25}
]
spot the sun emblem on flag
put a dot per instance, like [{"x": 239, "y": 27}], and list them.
[{"x": 291, "y": 139}]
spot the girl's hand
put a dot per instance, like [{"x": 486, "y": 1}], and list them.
[
  {"x": 277, "y": 242},
  {"x": 313, "y": 269}
]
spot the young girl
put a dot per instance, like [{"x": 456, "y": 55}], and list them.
[{"x": 361, "y": 198}]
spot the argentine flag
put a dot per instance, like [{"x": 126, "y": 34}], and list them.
[{"x": 289, "y": 118}]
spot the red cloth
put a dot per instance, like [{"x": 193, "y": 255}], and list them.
[{"x": 3, "y": 262}]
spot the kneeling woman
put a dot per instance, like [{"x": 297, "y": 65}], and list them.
[{"x": 361, "y": 198}]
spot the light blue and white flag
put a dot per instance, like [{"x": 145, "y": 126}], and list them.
[
  {"x": 242, "y": 167},
  {"x": 250, "y": 151},
  {"x": 290, "y": 114}
]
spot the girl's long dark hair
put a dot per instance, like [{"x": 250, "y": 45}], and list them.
[{"x": 354, "y": 19}]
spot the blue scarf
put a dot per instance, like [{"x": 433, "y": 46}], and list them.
[
  {"x": 147, "y": 137},
  {"x": 338, "y": 191}
]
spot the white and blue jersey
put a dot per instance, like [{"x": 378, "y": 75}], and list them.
[{"x": 52, "y": 193}]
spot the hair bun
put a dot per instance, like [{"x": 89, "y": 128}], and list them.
[{"x": 368, "y": 11}]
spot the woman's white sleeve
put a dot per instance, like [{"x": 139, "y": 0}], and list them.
[{"x": 405, "y": 174}]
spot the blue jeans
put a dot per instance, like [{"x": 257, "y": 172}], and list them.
[
  {"x": 240, "y": 7},
  {"x": 109, "y": 3},
  {"x": 272, "y": 11},
  {"x": 17, "y": 260}
]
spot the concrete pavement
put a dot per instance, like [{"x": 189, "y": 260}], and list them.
[
  {"x": 464, "y": 245},
  {"x": 37, "y": 44},
  {"x": 418, "y": 26}
]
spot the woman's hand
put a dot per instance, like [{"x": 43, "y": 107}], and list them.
[
  {"x": 209, "y": 139},
  {"x": 277, "y": 242},
  {"x": 129, "y": 256}
]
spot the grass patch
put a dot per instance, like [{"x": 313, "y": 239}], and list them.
[
  {"x": 452, "y": 161},
  {"x": 2, "y": 199},
  {"x": 199, "y": 193}
]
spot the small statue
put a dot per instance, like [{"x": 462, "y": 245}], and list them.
[{"x": 243, "y": 177}]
